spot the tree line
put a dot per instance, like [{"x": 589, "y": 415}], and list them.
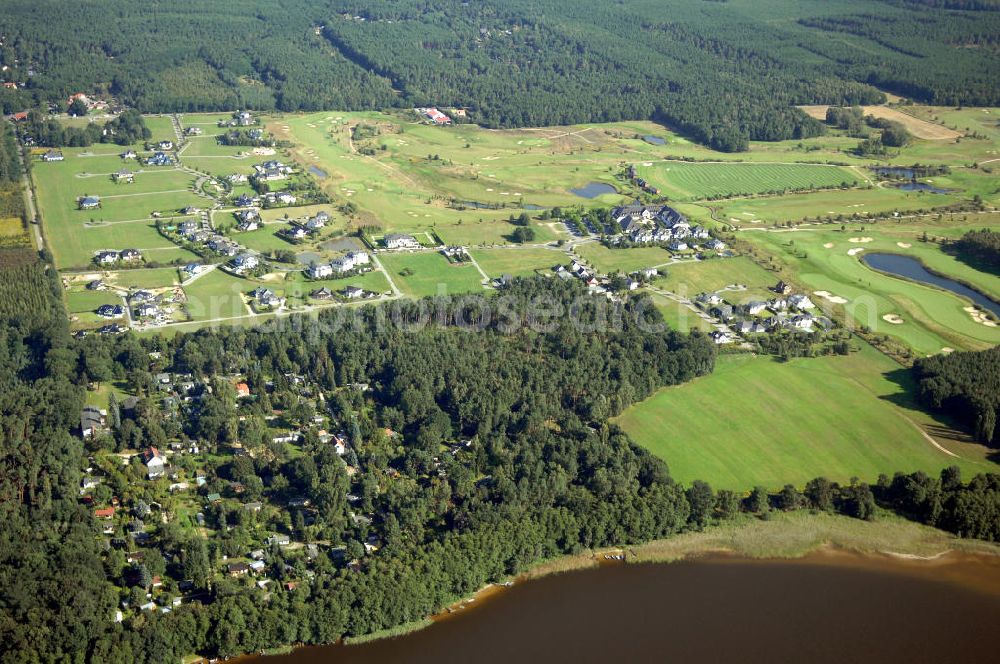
[
  {"x": 981, "y": 248},
  {"x": 965, "y": 385}
]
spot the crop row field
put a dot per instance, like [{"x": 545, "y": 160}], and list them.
[{"x": 680, "y": 180}]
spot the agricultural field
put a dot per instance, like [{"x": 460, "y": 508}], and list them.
[
  {"x": 430, "y": 273},
  {"x": 680, "y": 180},
  {"x": 775, "y": 423},
  {"x": 925, "y": 318}
]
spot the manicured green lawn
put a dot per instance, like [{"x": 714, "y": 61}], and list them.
[
  {"x": 689, "y": 279},
  {"x": 756, "y": 420},
  {"x": 692, "y": 181},
  {"x": 81, "y": 301},
  {"x": 607, "y": 260},
  {"x": 517, "y": 262},
  {"x": 932, "y": 318},
  {"x": 217, "y": 295},
  {"x": 678, "y": 316},
  {"x": 429, "y": 273}
]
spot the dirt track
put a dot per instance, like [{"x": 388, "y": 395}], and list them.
[{"x": 917, "y": 127}]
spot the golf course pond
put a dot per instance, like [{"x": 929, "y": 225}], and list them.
[
  {"x": 911, "y": 268},
  {"x": 830, "y": 606},
  {"x": 594, "y": 189}
]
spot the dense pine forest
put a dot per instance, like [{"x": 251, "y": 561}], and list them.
[
  {"x": 980, "y": 248},
  {"x": 965, "y": 385},
  {"x": 722, "y": 72}
]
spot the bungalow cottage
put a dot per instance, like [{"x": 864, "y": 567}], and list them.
[
  {"x": 159, "y": 159},
  {"x": 96, "y": 285},
  {"x": 90, "y": 202},
  {"x": 128, "y": 154},
  {"x": 321, "y": 294},
  {"x": 130, "y": 255},
  {"x": 242, "y": 390},
  {"x": 123, "y": 176},
  {"x": 755, "y": 308},
  {"x": 286, "y": 198},
  {"x": 165, "y": 145},
  {"x": 353, "y": 292},
  {"x": 53, "y": 155},
  {"x": 400, "y": 241},
  {"x": 237, "y": 569}
]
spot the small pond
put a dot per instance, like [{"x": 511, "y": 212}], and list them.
[
  {"x": 655, "y": 140},
  {"x": 922, "y": 186},
  {"x": 318, "y": 172},
  {"x": 594, "y": 189}
]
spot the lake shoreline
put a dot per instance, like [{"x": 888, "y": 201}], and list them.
[{"x": 889, "y": 545}]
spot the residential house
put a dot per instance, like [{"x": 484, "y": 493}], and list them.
[
  {"x": 92, "y": 421},
  {"x": 128, "y": 154},
  {"x": 353, "y": 292},
  {"x": 106, "y": 257},
  {"x": 755, "y": 308},
  {"x": 96, "y": 285},
  {"x": 110, "y": 311},
  {"x": 242, "y": 390},
  {"x": 90, "y": 202},
  {"x": 165, "y": 145},
  {"x": 155, "y": 464},
  {"x": 722, "y": 312},
  {"x": 782, "y": 288},
  {"x": 124, "y": 176},
  {"x": 321, "y": 294},
  {"x": 319, "y": 270},
  {"x": 53, "y": 155},
  {"x": 265, "y": 297},
  {"x": 400, "y": 241},
  {"x": 721, "y": 337},
  {"x": 237, "y": 569},
  {"x": 130, "y": 255},
  {"x": 800, "y": 302},
  {"x": 245, "y": 262}
]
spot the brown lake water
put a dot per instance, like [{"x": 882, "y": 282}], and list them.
[{"x": 825, "y": 608}]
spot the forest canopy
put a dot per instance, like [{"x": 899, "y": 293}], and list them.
[{"x": 725, "y": 73}]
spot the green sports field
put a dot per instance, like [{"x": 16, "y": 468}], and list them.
[
  {"x": 757, "y": 421},
  {"x": 693, "y": 180}
]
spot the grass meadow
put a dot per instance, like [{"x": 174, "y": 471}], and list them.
[{"x": 758, "y": 421}]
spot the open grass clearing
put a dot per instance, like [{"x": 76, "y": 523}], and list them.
[
  {"x": 758, "y": 421},
  {"x": 430, "y": 273},
  {"x": 518, "y": 262}
]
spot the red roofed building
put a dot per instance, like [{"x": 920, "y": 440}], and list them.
[
  {"x": 105, "y": 513},
  {"x": 242, "y": 390},
  {"x": 154, "y": 463},
  {"x": 19, "y": 117}
]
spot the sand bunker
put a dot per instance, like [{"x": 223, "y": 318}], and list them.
[
  {"x": 855, "y": 251},
  {"x": 828, "y": 245},
  {"x": 830, "y": 297},
  {"x": 892, "y": 318},
  {"x": 263, "y": 151},
  {"x": 980, "y": 316},
  {"x": 861, "y": 240},
  {"x": 903, "y": 245},
  {"x": 947, "y": 349}
]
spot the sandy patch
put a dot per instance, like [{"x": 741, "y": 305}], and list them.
[
  {"x": 917, "y": 127},
  {"x": 828, "y": 245},
  {"x": 855, "y": 251},
  {"x": 263, "y": 151},
  {"x": 861, "y": 240},
  {"x": 830, "y": 297},
  {"x": 895, "y": 319},
  {"x": 947, "y": 349},
  {"x": 903, "y": 245},
  {"x": 979, "y": 316}
]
